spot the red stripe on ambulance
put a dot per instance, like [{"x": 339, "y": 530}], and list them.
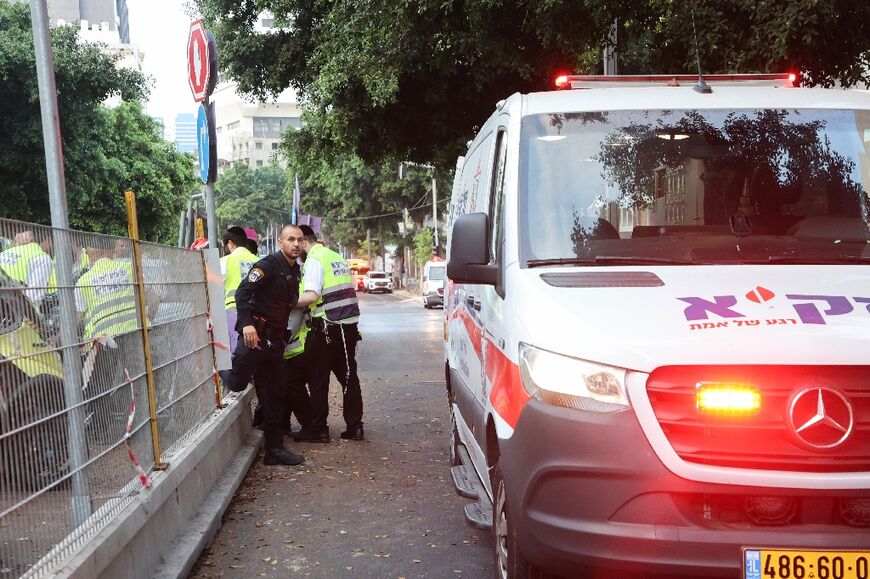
[{"x": 508, "y": 397}]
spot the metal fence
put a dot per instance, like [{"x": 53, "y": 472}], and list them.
[{"x": 87, "y": 394}]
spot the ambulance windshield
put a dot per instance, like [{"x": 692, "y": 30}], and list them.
[{"x": 696, "y": 186}]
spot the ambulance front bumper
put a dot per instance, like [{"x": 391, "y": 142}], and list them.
[{"x": 588, "y": 495}]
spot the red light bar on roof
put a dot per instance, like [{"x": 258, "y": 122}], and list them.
[{"x": 597, "y": 81}]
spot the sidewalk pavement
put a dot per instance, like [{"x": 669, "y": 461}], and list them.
[{"x": 381, "y": 508}]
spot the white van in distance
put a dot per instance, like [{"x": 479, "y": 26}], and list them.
[
  {"x": 658, "y": 329},
  {"x": 434, "y": 276}
]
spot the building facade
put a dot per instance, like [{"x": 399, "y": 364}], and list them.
[
  {"x": 251, "y": 132},
  {"x": 94, "y": 15},
  {"x": 185, "y": 132}
]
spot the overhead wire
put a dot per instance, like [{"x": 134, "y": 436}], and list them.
[
  {"x": 366, "y": 217},
  {"x": 362, "y": 218}
]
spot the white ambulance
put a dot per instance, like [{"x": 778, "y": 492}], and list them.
[
  {"x": 434, "y": 276},
  {"x": 658, "y": 329}
]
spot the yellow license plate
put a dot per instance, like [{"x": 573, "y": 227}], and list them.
[{"x": 786, "y": 564}]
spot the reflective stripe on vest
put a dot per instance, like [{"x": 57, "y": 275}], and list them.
[
  {"x": 110, "y": 300},
  {"x": 238, "y": 263},
  {"x": 15, "y": 261},
  {"x": 297, "y": 346},
  {"x": 337, "y": 302}
]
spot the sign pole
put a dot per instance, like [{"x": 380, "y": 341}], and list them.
[
  {"x": 202, "y": 75},
  {"x": 211, "y": 214}
]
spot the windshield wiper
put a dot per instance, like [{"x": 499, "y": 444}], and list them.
[
  {"x": 845, "y": 260},
  {"x": 611, "y": 259}
]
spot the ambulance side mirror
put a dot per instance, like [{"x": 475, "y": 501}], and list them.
[{"x": 468, "y": 251}]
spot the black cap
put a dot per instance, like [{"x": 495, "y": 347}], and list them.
[{"x": 237, "y": 230}]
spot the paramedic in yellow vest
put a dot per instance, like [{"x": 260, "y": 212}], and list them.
[
  {"x": 330, "y": 346},
  {"x": 29, "y": 263},
  {"x": 105, "y": 297},
  {"x": 235, "y": 265},
  {"x": 106, "y": 304}
]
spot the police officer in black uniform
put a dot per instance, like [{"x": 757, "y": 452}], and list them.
[{"x": 264, "y": 300}]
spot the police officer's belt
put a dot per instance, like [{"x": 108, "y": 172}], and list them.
[{"x": 269, "y": 331}]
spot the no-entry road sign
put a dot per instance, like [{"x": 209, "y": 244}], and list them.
[{"x": 199, "y": 61}]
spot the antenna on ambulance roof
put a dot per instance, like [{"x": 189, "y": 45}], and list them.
[{"x": 700, "y": 86}]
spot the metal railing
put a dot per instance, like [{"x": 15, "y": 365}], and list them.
[{"x": 86, "y": 422}]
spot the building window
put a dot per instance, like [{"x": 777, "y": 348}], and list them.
[
  {"x": 233, "y": 125},
  {"x": 218, "y": 130},
  {"x": 274, "y": 146},
  {"x": 258, "y": 145},
  {"x": 268, "y": 22},
  {"x": 259, "y": 163}
]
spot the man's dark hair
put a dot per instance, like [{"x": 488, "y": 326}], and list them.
[
  {"x": 236, "y": 235},
  {"x": 308, "y": 234},
  {"x": 252, "y": 245}
]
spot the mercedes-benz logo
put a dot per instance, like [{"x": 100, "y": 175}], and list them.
[{"x": 821, "y": 417}]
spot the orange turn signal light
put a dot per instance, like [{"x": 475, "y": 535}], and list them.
[{"x": 728, "y": 399}]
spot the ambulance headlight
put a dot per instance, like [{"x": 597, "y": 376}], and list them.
[{"x": 572, "y": 383}]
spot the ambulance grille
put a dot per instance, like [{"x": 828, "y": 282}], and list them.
[{"x": 767, "y": 440}]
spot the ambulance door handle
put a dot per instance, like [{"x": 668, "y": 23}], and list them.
[
  {"x": 470, "y": 301},
  {"x": 476, "y": 305}
]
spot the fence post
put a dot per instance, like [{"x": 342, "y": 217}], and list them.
[
  {"x": 133, "y": 232},
  {"x": 76, "y": 441}
]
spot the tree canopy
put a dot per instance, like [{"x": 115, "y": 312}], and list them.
[
  {"x": 106, "y": 150},
  {"x": 354, "y": 195},
  {"x": 412, "y": 79},
  {"x": 255, "y": 198}
]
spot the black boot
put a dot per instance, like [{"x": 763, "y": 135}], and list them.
[
  {"x": 230, "y": 381},
  {"x": 355, "y": 433},
  {"x": 281, "y": 455},
  {"x": 310, "y": 435}
]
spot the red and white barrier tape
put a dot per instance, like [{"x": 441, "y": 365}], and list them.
[
  {"x": 91, "y": 357},
  {"x": 143, "y": 476},
  {"x": 215, "y": 343}
]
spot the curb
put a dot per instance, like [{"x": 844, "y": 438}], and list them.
[{"x": 199, "y": 534}]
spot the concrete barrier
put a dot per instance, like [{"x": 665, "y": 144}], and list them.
[{"x": 162, "y": 533}]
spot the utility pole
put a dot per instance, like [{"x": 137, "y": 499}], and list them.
[
  {"x": 72, "y": 364},
  {"x": 369, "y": 244},
  {"x": 435, "y": 210}
]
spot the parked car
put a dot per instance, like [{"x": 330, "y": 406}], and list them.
[
  {"x": 378, "y": 281},
  {"x": 658, "y": 335}
]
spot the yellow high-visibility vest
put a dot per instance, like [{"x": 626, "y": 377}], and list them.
[
  {"x": 337, "y": 302},
  {"x": 238, "y": 264},
  {"x": 297, "y": 343},
  {"x": 15, "y": 261},
  {"x": 110, "y": 300}
]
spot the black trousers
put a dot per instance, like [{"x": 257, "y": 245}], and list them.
[
  {"x": 266, "y": 365},
  {"x": 333, "y": 350},
  {"x": 298, "y": 400}
]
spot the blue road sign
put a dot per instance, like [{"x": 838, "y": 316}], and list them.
[{"x": 204, "y": 145}]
